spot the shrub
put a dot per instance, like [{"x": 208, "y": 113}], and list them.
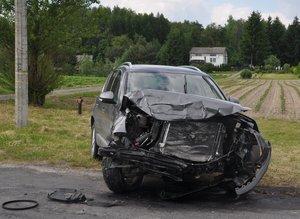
[
  {"x": 272, "y": 62},
  {"x": 286, "y": 68},
  {"x": 224, "y": 67},
  {"x": 269, "y": 68},
  {"x": 257, "y": 69},
  {"x": 86, "y": 66},
  {"x": 206, "y": 67},
  {"x": 246, "y": 74},
  {"x": 296, "y": 69}
]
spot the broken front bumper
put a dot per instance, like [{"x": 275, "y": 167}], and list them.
[{"x": 176, "y": 168}]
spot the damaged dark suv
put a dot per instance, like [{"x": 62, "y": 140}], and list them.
[{"x": 174, "y": 122}]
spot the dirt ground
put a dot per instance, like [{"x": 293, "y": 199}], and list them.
[
  {"x": 271, "y": 106},
  {"x": 253, "y": 98},
  {"x": 292, "y": 100}
]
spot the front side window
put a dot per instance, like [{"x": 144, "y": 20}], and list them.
[
  {"x": 109, "y": 82},
  {"x": 116, "y": 85},
  {"x": 182, "y": 83}
]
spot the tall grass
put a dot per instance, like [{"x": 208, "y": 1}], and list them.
[{"x": 56, "y": 134}]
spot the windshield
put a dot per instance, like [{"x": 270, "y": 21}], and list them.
[{"x": 182, "y": 83}]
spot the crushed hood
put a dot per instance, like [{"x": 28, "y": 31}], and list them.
[{"x": 170, "y": 106}]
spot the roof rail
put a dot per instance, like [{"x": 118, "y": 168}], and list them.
[
  {"x": 190, "y": 67},
  {"x": 127, "y": 63}
]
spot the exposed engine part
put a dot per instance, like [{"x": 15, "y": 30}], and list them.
[
  {"x": 163, "y": 143},
  {"x": 142, "y": 121}
]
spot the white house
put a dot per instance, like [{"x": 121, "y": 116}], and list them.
[{"x": 215, "y": 55}]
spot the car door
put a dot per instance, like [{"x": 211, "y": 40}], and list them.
[{"x": 105, "y": 112}]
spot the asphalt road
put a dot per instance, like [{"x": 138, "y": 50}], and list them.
[{"x": 32, "y": 182}]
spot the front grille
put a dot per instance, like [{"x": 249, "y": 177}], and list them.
[{"x": 194, "y": 140}]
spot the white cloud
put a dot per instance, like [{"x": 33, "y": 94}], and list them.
[
  {"x": 175, "y": 10},
  {"x": 206, "y": 12},
  {"x": 221, "y": 13},
  {"x": 282, "y": 17},
  {"x": 290, "y": 8}
]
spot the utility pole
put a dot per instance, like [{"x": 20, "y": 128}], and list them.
[{"x": 21, "y": 64}]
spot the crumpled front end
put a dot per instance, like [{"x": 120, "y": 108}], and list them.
[{"x": 172, "y": 140}]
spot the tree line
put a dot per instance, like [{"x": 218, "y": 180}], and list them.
[{"x": 58, "y": 30}]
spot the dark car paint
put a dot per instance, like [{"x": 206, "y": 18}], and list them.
[
  {"x": 113, "y": 121},
  {"x": 104, "y": 113}
]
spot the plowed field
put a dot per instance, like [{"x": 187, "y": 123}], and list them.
[{"x": 266, "y": 98}]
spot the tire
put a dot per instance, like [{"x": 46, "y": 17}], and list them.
[
  {"x": 94, "y": 146},
  {"x": 116, "y": 179}
]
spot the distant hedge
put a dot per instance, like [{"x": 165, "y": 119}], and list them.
[{"x": 246, "y": 74}]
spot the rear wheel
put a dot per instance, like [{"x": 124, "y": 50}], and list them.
[{"x": 120, "y": 180}]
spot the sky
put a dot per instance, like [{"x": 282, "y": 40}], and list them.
[{"x": 212, "y": 11}]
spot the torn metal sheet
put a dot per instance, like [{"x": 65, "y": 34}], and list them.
[{"x": 171, "y": 106}]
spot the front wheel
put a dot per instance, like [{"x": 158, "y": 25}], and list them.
[{"x": 120, "y": 180}]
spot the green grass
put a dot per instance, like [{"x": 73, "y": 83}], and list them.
[
  {"x": 262, "y": 98},
  {"x": 82, "y": 81},
  {"x": 218, "y": 76},
  {"x": 56, "y": 134},
  {"x": 72, "y": 81},
  {"x": 282, "y": 98},
  {"x": 5, "y": 91},
  {"x": 285, "y": 162},
  {"x": 277, "y": 76}
]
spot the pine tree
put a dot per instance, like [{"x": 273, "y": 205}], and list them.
[{"x": 254, "y": 41}]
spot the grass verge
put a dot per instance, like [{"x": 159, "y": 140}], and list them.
[
  {"x": 82, "y": 81},
  {"x": 278, "y": 76},
  {"x": 262, "y": 98},
  {"x": 56, "y": 135},
  {"x": 284, "y": 135}
]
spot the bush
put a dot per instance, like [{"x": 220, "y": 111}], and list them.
[
  {"x": 296, "y": 69},
  {"x": 271, "y": 63},
  {"x": 269, "y": 68},
  {"x": 286, "y": 68},
  {"x": 206, "y": 67},
  {"x": 86, "y": 66},
  {"x": 246, "y": 74},
  {"x": 224, "y": 67}
]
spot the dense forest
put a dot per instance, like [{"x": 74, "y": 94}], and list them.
[{"x": 58, "y": 30}]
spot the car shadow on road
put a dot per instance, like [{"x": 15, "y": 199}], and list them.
[{"x": 259, "y": 200}]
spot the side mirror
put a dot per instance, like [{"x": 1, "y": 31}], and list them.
[
  {"x": 107, "y": 97},
  {"x": 233, "y": 100}
]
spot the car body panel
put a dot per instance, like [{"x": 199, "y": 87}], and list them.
[
  {"x": 169, "y": 106},
  {"x": 180, "y": 136}
]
